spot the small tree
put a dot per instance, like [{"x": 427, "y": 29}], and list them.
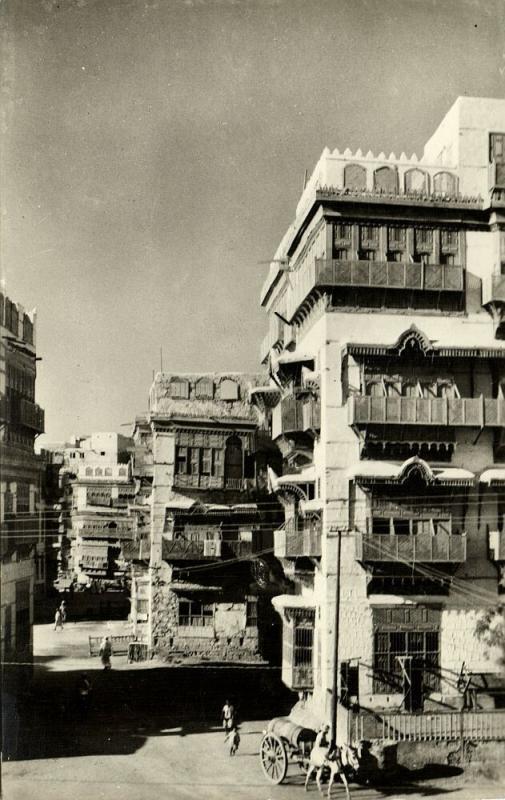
[{"x": 490, "y": 630}]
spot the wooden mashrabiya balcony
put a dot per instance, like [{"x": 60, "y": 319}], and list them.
[{"x": 478, "y": 412}]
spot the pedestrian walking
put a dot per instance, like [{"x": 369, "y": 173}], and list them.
[
  {"x": 63, "y": 610},
  {"x": 233, "y": 737},
  {"x": 106, "y": 652},
  {"x": 58, "y": 620},
  {"x": 228, "y": 717}
]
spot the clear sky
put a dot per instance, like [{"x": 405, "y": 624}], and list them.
[{"x": 154, "y": 152}]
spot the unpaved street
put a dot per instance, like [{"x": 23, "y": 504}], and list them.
[{"x": 153, "y": 732}]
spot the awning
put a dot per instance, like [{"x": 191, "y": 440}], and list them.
[
  {"x": 316, "y": 504},
  {"x": 245, "y": 508},
  {"x": 95, "y": 550},
  {"x": 264, "y": 390},
  {"x": 388, "y": 472},
  {"x": 186, "y": 586},
  {"x": 283, "y": 601},
  {"x": 294, "y": 358},
  {"x": 216, "y": 508},
  {"x": 180, "y": 502},
  {"x": 307, "y": 475},
  {"x": 493, "y": 477}
]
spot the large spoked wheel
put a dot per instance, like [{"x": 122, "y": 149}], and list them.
[{"x": 274, "y": 759}]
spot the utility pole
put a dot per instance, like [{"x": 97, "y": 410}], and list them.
[{"x": 334, "y": 696}]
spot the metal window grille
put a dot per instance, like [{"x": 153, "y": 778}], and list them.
[
  {"x": 391, "y": 646},
  {"x": 303, "y": 643}
]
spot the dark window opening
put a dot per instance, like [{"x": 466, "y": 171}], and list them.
[
  {"x": 251, "y": 614},
  {"x": 380, "y": 525},
  {"x": 401, "y": 527},
  {"x": 195, "y": 613}
]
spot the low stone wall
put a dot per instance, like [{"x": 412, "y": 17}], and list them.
[{"x": 184, "y": 650}]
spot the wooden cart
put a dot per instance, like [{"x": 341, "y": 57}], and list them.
[{"x": 285, "y": 743}]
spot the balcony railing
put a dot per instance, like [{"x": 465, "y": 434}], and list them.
[
  {"x": 32, "y": 416},
  {"x": 19, "y": 411},
  {"x": 493, "y": 289},
  {"x": 440, "y": 548},
  {"x": 296, "y": 414},
  {"x": 299, "y": 537},
  {"x": 182, "y": 549},
  {"x": 477, "y": 726},
  {"x": 373, "y": 275},
  {"x": 477, "y": 412},
  {"x": 209, "y": 482}
]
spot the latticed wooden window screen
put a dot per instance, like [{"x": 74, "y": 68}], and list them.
[{"x": 497, "y": 148}]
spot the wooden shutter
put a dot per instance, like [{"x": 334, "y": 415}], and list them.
[
  {"x": 194, "y": 461},
  {"x": 206, "y": 465},
  {"x": 218, "y": 454},
  {"x": 181, "y": 466}
]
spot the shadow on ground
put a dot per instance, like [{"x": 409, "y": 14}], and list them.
[{"x": 128, "y": 707}]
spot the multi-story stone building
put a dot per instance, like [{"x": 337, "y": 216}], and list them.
[
  {"x": 22, "y": 547},
  {"x": 386, "y": 307},
  {"x": 202, "y": 586},
  {"x": 97, "y": 489}
]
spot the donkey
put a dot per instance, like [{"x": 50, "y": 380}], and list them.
[{"x": 343, "y": 758}]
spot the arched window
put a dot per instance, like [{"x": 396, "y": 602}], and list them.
[
  {"x": 416, "y": 181},
  {"x": 410, "y": 389},
  {"x": 204, "y": 388},
  {"x": 122, "y": 471},
  {"x": 375, "y": 389},
  {"x": 179, "y": 389},
  {"x": 354, "y": 177},
  {"x": 385, "y": 179},
  {"x": 444, "y": 183},
  {"x": 89, "y": 472},
  {"x": 233, "y": 460},
  {"x": 108, "y": 472},
  {"x": 228, "y": 390},
  {"x": 98, "y": 472}
]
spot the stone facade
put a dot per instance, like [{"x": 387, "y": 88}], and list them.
[
  {"x": 389, "y": 410},
  {"x": 22, "y": 545},
  {"x": 197, "y": 597}
]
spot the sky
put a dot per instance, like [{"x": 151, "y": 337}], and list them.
[{"x": 153, "y": 154}]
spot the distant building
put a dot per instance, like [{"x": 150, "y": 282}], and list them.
[
  {"x": 22, "y": 547},
  {"x": 204, "y": 577},
  {"x": 386, "y": 343},
  {"x": 96, "y": 490}
]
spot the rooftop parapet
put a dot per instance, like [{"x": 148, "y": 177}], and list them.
[{"x": 212, "y": 396}]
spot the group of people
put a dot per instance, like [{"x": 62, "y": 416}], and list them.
[{"x": 230, "y": 727}]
